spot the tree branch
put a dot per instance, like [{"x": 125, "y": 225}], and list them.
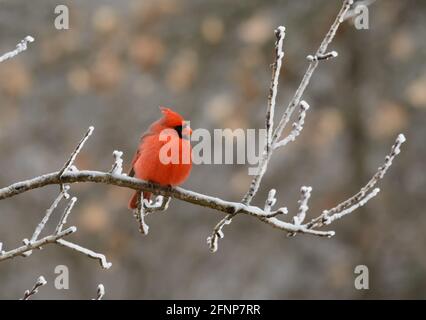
[
  {"x": 20, "y": 47},
  {"x": 272, "y": 143},
  {"x": 36, "y": 244}
]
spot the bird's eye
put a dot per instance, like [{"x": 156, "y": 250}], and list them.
[{"x": 179, "y": 130}]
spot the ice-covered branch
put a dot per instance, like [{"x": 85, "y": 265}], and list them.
[
  {"x": 303, "y": 205},
  {"x": 41, "y": 281},
  {"x": 139, "y": 214},
  {"x": 100, "y": 292},
  {"x": 65, "y": 215},
  {"x": 58, "y": 234},
  {"x": 273, "y": 90},
  {"x": 366, "y": 193},
  {"x": 265, "y": 215},
  {"x": 41, "y": 225},
  {"x": 322, "y": 56},
  {"x": 20, "y": 47},
  {"x": 87, "y": 252},
  {"x": 74, "y": 154},
  {"x": 297, "y": 126},
  {"x": 117, "y": 167},
  {"x": 36, "y": 244},
  {"x": 294, "y": 102}
]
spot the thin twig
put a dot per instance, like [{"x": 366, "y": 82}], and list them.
[
  {"x": 37, "y": 244},
  {"x": 367, "y": 189},
  {"x": 87, "y": 252},
  {"x": 74, "y": 154},
  {"x": 117, "y": 167},
  {"x": 100, "y": 292},
  {"x": 41, "y": 281},
  {"x": 20, "y": 47},
  {"x": 139, "y": 214},
  {"x": 42, "y": 224},
  {"x": 303, "y": 205},
  {"x": 297, "y": 126},
  {"x": 65, "y": 215},
  {"x": 273, "y": 90}
]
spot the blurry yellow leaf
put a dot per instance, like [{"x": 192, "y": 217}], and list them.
[
  {"x": 212, "y": 29},
  {"x": 15, "y": 80},
  {"x": 106, "y": 72},
  {"x": 57, "y": 46},
  {"x": 79, "y": 80},
  {"x": 93, "y": 217},
  {"x": 389, "y": 119},
  {"x": 220, "y": 108},
  {"x": 416, "y": 92},
  {"x": 183, "y": 71},
  {"x": 256, "y": 30},
  {"x": 329, "y": 125},
  {"x": 401, "y": 46},
  {"x": 147, "y": 51},
  {"x": 105, "y": 19}
]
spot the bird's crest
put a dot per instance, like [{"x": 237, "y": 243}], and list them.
[{"x": 171, "y": 118}]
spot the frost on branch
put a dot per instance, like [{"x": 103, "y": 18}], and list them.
[
  {"x": 41, "y": 281},
  {"x": 20, "y": 47},
  {"x": 364, "y": 195},
  {"x": 57, "y": 236},
  {"x": 321, "y": 56},
  {"x": 117, "y": 167},
  {"x": 303, "y": 205},
  {"x": 100, "y": 292},
  {"x": 297, "y": 126}
]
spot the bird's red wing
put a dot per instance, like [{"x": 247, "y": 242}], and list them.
[{"x": 137, "y": 154}]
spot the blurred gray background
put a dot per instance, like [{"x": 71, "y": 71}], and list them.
[{"x": 210, "y": 61}]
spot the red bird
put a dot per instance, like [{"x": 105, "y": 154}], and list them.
[{"x": 151, "y": 161}]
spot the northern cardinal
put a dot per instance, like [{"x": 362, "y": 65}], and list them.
[{"x": 148, "y": 165}]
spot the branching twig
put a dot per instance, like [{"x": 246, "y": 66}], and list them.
[
  {"x": 74, "y": 154},
  {"x": 57, "y": 236},
  {"x": 42, "y": 224},
  {"x": 65, "y": 215},
  {"x": 36, "y": 244},
  {"x": 297, "y": 126},
  {"x": 295, "y": 101},
  {"x": 273, "y": 90},
  {"x": 303, "y": 205},
  {"x": 228, "y": 207},
  {"x": 365, "y": 194},
  {"x": 41, "y": 281},
  {"x": 139, "y": 214}
]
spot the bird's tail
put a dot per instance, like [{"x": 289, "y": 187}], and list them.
[{"x": 133, "y": 203}]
